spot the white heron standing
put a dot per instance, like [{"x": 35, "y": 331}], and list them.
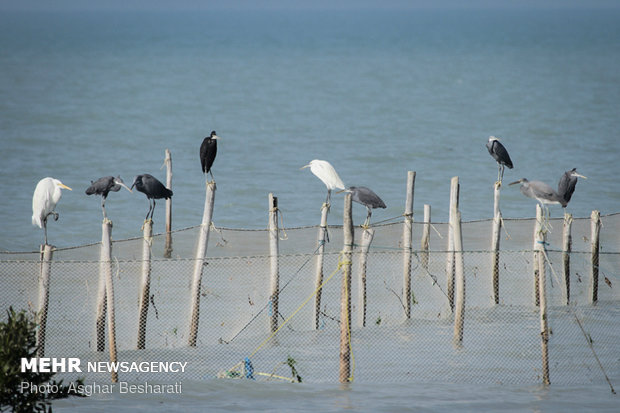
[
  {"x": 327, "y": 174},
  {"x": 46, "y": 196}
]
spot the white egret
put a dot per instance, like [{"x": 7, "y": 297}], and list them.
[
  {"x": 46, "y": 196},
  {"x": 327, "y": 174}
]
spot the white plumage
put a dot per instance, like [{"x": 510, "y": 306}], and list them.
[
  {"x": 46, "y": 196},
  {"x": 327, "y": 174}
]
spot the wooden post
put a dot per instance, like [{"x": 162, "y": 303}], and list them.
[
  {"x": 168, "y": 247},
  {"x": 407, "y": 243},
  {"x": 106, "y": 268},
  {"x": 538, "y": 229},
  {"x": 145, "y": 286},
  {"x": 273, "y": 254},
  {"x": 426, "y": 236},
  {"x": 459, "y": 315},
  {"x": 450, "y": 270},
  {"x": 322, "y": 238},
  {"x": 567, "y": 245},
  {"x": 367, "y": 236},
  {"x": 595, "y": 230},
  {"x": 105, "y": 262},
  {"x": 495, "y": 240},
  {"x": 542, "y": 295},
  {"x": 44, "y": 295},
  {"x": 201, "y": 250},
  {"x": 345, "y": 294}
]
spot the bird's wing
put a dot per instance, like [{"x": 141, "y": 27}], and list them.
[
  {"x": 566, "y": 186},
  {"x": 501, "y": 154},
  {"x": 203, "y": 155}
]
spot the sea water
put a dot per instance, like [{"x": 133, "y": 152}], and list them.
[{"x": 376, "y": 93}]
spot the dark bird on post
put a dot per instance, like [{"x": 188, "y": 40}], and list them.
[
  {"x": 46, "y": 196},
  {"x": 500, "y": 154},
  {"x": 103, "y": 186},
  {"x": 208, "y": 150},
  {"x": 153, "y": 189},
  {"x": 567, "y": 184},
  {"x": 366, "y": 197}
]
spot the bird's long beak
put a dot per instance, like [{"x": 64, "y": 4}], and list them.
[
  {"x": 64, "y": 186},
  {"x": 579, "y": 175},
  {"x": 344, "y": 190},
  {"x": 215, "y": 137},
  {"x": 515, "y": 182},
  {"x": 304, "y": 167},
  {"x": 125, "y": 186}
]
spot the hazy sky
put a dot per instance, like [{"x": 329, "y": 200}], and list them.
[{"x": 294, "y": 4}]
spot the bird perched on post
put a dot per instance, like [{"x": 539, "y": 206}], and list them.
[
  {"x": 500, "y": 154},
  {"x": 153, "y": 189},
  {"x": 365, "y": 196},
  {"x": 567, "y": 184},
  {"x": 327, "y": 174},
  {"x": 103, "y": 186},
  {"x": 541, "y": 192},
  {"x": 208, "y": 150},
  {"x": 46, "y": 196}
]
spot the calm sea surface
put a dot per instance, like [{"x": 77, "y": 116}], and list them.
[{"x": 375, "y": 93}]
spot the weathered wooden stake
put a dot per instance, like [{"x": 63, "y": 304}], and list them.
[
  {"x": 273, "y": 255},
  {"x": 44, "y": 295},
  {"x": 450, "y": 270},
  {"x": 345, "y": 294},
  {"x": 567, "y": 245},
  {"x": 407, "y": 243},
  {"x": 459, "y": 315},
  {"x": 145, "y": 285},
  {"x": 541, "y": 238},
  {"x": 367, "y": 236},
  {"x": 201, "y": 250},
  {"x": 322, "y": 238},
  {"x": 538, "y": 229},
  {"x": 105, "y": 263},
  {"x": 106, "y": 254},
  {"x": 595, "y": 230},
  {"x": 168, "y": 247},
  {"x": 495, "y": 240},
  {"x": 426, "y": 236}
]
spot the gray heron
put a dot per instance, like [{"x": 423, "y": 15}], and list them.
[
  {"x": 103, "y": 186},
  {"x": 365, "y": 196},
  {"x": 152, "y": 188}
]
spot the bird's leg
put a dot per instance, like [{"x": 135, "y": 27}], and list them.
[
  {"x": 367, "y": 222},
  {"x": 45, "y": 229},
  {"x": 212, "y": 178},
  {"x": 153, "y": 210},
  {"x": 105, "y": 216},
  {"x": 148, "y": 212}
]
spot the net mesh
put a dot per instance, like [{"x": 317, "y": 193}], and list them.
[{"x": 501, "y": 342}]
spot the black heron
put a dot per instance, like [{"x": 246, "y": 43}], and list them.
[
  {"x": 500, "y": 154},
  {"x": 152, "y": 188},
  {"x": 103, "y": 186},
  {"x": 208, "y": 150},
  {"x": 365, "y": 196},
  {"x": 566, "y": 186},
  {"x": 46, "y": 196}
]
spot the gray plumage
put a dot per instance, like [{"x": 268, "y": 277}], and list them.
[
  {"x": 153, "y": 189},
  {"x": 566, "y": 186},
  {"x": 500, "y": 154},
  {"x": 539, "y": 191},
  {"x": 103, "y": 186},
  {"x": 365, "y": 196}
]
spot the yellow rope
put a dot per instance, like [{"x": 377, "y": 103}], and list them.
[{"x": 340, "y": 264}]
